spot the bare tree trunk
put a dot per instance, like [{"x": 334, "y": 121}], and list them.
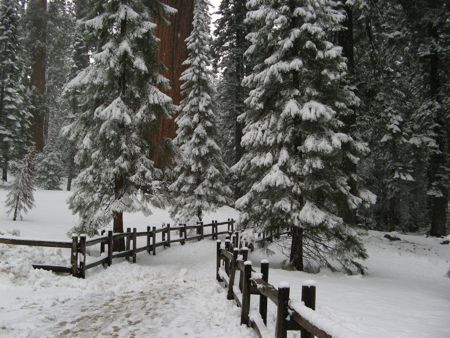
[
  {"x": 37, "y": 11},
  {"x": 5, "y": 165},
  {"x": 16, "y": 209},
  {"x": 296, "y": 256}
]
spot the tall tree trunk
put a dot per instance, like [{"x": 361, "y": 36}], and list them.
[
  {"x": 37, "y": 11},
  {"x": 119, "y": 182},
  {"x": 172, "y": 52},
  {"x": 5, "y": 164},
  {"x": 119, "y": 244},
  {"x": 296, "y": 256}
]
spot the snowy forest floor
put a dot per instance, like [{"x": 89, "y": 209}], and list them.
[{"x": 406, "y": 292}]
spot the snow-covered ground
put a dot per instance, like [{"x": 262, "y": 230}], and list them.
[{"x": 406, "y": 292}]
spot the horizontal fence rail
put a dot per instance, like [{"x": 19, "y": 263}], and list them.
[
  {"x": 232, "y": 260},
  {"x": 79, "y": 244}
]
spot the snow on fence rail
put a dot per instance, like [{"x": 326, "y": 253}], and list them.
[
  {"x": 79, "y": 244},
  {"x": 290, "y": 316}
]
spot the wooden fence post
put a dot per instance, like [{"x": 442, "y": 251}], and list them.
[
  {"x": 202, "y": 230},
  {"x": 184, "y": 234},
  {"x": 102, "y": 244},
  {"x": 263, "y": 299},
  {"x": 230, "y": 294},
  {"x": 127, "y": 244},
  {"x": 244, "y": 252},
  {"x": 227, "y": 263},
  {"x": 168, "y": 235},
  {"x": 277, "y": 236},
  {"x": 180, "y": 233},
  {"x": 163, "y": 236},
  {"x": 245, "y": 311},
  {"x": 110, "y": 246},
  {"x": 309, "y": 299},
  {"x": 154, "y": 240},
  {"x": 82, "y": 270},
  {"x": 219, "y": 243},
  {"x": 283, "y": 311},
  {"x": 74, "y": 256},
  {"x": 149, "y": 233},
  {"x": 134, "y": 245},
  {"x": 232, "y": 225}
]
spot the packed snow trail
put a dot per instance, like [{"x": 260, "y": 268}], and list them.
[
  {"x": 406, "y": 293},
  {"x": 173, "y": 294}
]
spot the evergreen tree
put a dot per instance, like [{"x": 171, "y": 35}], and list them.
[
  {"x": 122, "y": 100},
  {"x": 20, "y": 199},
  {"x": 293, "y": 135},
  {"x": 395, "y": 62},
  {"x": 73, "y": 97},
  {"x": 49, "y": 170},
  {"x": 229, "y": 47},
  {"x": 201, "y": 183},
  {"x": 429, "y": 24},
  {"x": 14, "y": 114},
  {"x": 35, "y": 41},
  {"x": 389, "y": 101},
  {"x": 61, "y": 28}
]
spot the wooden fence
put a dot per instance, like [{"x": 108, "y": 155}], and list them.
[
  {"x": 232, "y": 260},
  {"x": 79, "y": 244}
]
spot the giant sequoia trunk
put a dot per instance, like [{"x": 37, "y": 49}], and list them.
[
  {"x": 37, "y": 13},
  {"x": 173, "y": 52}
]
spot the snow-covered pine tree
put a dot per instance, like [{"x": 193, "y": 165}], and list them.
[
  {"x": 80, "y": 60},
  {"x": 14, "y": 114},
  {"x": 428, "y": 22},
  {"x": 35, "y": 42},
  {"x": 20, "y": 199},
  {"x": 122, "y": 101},
  {"x": 293, "y": 137},
  {"x": 390, "y": 101},
  {"x": 202, "y": 175},
  {"x": 229, "y": 47},
  {"x": 394, "y": 72},
  {"x": 49, "y": 170},
  {"x": 61, "y": 28}
]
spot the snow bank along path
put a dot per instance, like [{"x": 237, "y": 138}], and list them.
[
  {"x": 406, "y": 293},
  {"x": 170, "y": 295}
]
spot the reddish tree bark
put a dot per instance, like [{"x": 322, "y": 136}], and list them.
[
  {"x": 172, "y": 53},
  {"x": 38, "y": 22}
]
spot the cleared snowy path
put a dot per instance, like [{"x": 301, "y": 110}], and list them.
[{"x": 171, "y": 295}]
